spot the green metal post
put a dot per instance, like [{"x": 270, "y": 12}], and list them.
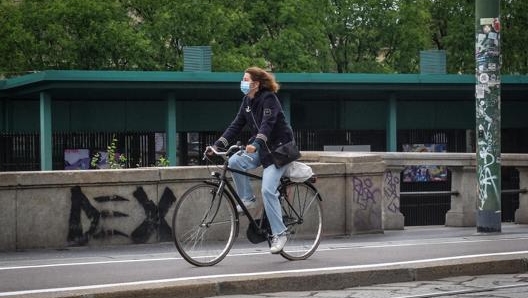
[
  {"x": 392, "y": 130},
  {"x": 171, "y": 130},
  {"x": 488, "y": 115},
  {"x": 45, "y": 132}
]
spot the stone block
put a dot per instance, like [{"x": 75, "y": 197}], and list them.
[
  {"x": 521, "y": 214},
  {"x": 393, "y": 219},
  {"x": 42, "y": 217},
  {"x": 364, "y": 186},
  {"x": 8, "y": 219}
]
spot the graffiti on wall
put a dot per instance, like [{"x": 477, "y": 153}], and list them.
[
  {"x": 366, "y": 196},
  {"x": 390, "y": 191},
  {"x": 487, "y": 93},
  {"x": 154, "y": 216},
  {"x": 154, "y": 221}
]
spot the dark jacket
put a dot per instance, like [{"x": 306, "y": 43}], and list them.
[{"x": 267, "y": 123}]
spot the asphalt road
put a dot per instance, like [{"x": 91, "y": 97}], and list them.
[{"x": 54, "y": 273}]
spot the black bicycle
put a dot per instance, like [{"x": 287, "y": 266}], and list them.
[{"x": 205, "y": 223}]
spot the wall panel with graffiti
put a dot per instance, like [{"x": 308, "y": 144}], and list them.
[
  {"x": 103, "y": 217},
  {"x": 367, "y": 203},
  {"x": 59, "y": 209}
]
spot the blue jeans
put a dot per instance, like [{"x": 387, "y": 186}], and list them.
[{"x": 270, "y": 182}]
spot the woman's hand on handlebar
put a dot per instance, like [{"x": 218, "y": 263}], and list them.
[
  {"x": 251, "y": 149},
  {"x": 210, "y": 150}
]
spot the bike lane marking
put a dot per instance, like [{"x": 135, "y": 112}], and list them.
[
  {"x": 267, "y": 273},
  {"x": 241, "y": 252}
]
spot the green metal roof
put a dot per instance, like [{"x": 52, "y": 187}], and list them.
[
  {"x": 155, "y": 85},
  {"x": 220, "y": 77}
]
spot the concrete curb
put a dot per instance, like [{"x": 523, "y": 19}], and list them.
[{"x": 311, "y": 280}]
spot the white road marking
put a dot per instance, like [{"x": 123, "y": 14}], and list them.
[
  {"x": 213, "y": 277},
  {"x": 243, "y": 252}
]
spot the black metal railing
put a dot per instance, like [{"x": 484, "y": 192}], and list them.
[
  {"x": 21, "y": 151},
  {"x": 422, "y": 203}
]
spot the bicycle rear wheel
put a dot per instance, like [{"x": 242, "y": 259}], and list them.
[
  {"x": 204, "y": 225},
  {"x": 303, "y": 216}
]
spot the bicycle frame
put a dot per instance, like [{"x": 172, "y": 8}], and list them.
[{"x": 222, "y": 183}]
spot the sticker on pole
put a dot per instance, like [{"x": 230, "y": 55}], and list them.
[{"x": 483, "y": 78}]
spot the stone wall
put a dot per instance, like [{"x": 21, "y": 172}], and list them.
[
  {"x": 56, "y": 209},
  {"x": 360, "y": 191}
]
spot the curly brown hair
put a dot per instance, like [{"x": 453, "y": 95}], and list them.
[{"x": 266, "y": 80}]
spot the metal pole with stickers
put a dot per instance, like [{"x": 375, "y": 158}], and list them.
[{"x": 488, "y": 115}]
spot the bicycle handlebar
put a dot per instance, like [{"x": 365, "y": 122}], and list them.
[{"x": 222, "y": 153}]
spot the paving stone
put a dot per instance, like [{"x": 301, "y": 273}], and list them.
[{"x": 452, "y": 287}]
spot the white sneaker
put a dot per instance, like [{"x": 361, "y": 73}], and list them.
[
  {"x": 278, "y": 242},
  {"x": 249, "y": 205}
]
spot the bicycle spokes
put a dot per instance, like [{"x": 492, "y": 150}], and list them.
[
  {"x": 302, "y": 215},
  {"x": 297, "y": 201},
  {"x": 204, "y": 239}
]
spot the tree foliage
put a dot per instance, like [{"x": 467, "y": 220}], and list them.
[
  {"x": 72, "y": 34},
  {"x": 514, "y": 19},
  {"x": 368, "y": 36},
  {"x": 454, "y": 31}
]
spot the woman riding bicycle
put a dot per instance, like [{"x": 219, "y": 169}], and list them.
[{"x": 263, "y": 113}]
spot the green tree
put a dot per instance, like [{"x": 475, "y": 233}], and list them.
[
  {"x": 172, "y": 25},
  {"x": 288, "y": 34},
  {"x": 70, "y": 34},
  {"x": 280, "y": 35},
  {"x": 453, "y": 30},
  {"x": 14, "y": 40},
  {"x": 375, "y": 36},
  {"x": 514, "y": 19},
  {"x": 358, "y": 32},
  {"x": 409, "y": 35}
]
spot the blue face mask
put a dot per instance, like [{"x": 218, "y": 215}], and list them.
[{"x": 244, "y": 87}]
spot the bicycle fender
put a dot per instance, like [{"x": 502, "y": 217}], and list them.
[{"x": 314, "y": 189}]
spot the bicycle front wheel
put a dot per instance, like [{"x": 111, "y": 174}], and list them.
[
  {"x": 204, "y": 225},
  {"x": 303, "y": 217}
]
